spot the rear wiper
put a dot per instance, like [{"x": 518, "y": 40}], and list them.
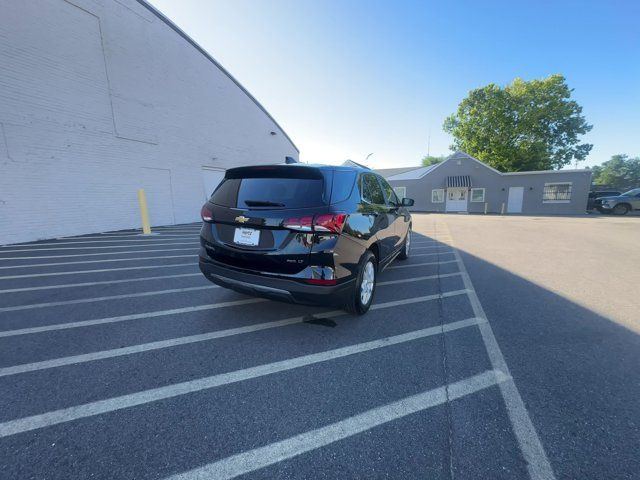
[{"x": 262, "y": 203}]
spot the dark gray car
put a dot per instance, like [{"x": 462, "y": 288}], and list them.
[{"x": 621, "y": 204}]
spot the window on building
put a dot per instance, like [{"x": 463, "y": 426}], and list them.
[
  {"x": 437, "y": 195},
  {"x": 371, "y": 189},
  {"x": 401, "y": 192},
  {"x": 477, "y": 194},
  {"x": 559, "y": 192}
]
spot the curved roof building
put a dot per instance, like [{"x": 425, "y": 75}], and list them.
[{"x": 99, "y": 98}]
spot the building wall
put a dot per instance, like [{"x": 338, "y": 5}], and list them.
[
  {"x": 496, "y": 187},
  {"x": 101, "y": 97}
]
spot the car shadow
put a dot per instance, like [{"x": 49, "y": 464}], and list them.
[{"x": 576, "y": 370}]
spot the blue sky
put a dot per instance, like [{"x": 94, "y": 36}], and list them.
[{"x": 348, "y": 78}]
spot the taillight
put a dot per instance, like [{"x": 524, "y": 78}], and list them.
[
  {"x": 303, "y": 224},
  {"x": 329, "y": 222},
  {"x": 320, "y": 223},
  {"x": 206, "y": 214}
]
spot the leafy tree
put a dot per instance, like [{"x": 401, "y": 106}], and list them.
[
  {"x": 524, "y": 126},
  {"x": 620, "y": 172},
  {"x": 431, "y": 160}
]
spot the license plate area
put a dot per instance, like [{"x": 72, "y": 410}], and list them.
[{"x": 246, "y": 236}]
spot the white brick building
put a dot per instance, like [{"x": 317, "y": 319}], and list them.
[{"x": 101, "y": 97}]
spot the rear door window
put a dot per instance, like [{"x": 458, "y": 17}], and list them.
[{"x": 371, "y": 190}]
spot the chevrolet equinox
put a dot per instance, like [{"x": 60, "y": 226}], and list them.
[{"x": 312, "y": 234}]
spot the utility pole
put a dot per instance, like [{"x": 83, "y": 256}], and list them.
[{"x": 429, "y": 144}]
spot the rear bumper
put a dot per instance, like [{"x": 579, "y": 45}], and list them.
[{"x": 276, "y": 288}]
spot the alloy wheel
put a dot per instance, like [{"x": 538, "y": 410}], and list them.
[{"x": 367, "y": 284}]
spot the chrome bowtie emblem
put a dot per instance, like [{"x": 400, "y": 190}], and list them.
[{"x": 242, "y": 219}]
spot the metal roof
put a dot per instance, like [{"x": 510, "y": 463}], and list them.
[
  {"x": 413, "y": 174},
  {"x": 389, "y": 172}
]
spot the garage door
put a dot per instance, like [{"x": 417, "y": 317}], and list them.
[
  {"x": 211, "y": 178},
  {"x": 157, "y": 186}
]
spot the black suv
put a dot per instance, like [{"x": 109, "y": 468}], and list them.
[{"x": 311, "y": 234}]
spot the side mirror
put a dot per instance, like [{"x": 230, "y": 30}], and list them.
[{"x": 407, "y": 202}]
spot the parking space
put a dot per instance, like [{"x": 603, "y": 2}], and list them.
[{"x": 119, "y": 360}]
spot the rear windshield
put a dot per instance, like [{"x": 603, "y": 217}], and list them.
[{"x": 270, "y": 192}]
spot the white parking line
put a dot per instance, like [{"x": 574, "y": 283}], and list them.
[
  {"x": 430, "y": 254},
  {"x": 411, "y": 265},
  {"x": 155, "y": 292},
  {"x": 82, "y": 262},
  {"x": 148, "y": 241},
  {"x": 538, "y": 465},
  {"x": 183, "y": 225},
  {"x": 173, "y": 342},
  {"x": 105, "y": 282},
  {"x": 174, "y": 290},
  {"x": 104, "y": 236},
  {"x": 142, "y": 279},
  {"x": 110, "y": 297},
  {"x": 119, "y": 269},
  {"x": 143, "y": 397},
  {"x": 143, "y": 248},
  {"x": 252, "y": 460},
  {"x": 102, "y": 253},
  {"x": 416, "y": 279},
  {"x": 429, "y": 248},
  {"x": 124, "y": 318}
]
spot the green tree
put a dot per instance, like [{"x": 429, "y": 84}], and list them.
[
  {"x": 620, "y": 172},
  {"x": 524, "y": 126},
  {"x": 431, "y": 160}
]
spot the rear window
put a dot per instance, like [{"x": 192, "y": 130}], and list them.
[{"x": 265, "y": 191}]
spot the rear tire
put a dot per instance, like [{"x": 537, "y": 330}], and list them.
[
  {"x": 406, "y": 246},
  {"x": 365, "y": 285},
  {"x": 621, "y": 209}
]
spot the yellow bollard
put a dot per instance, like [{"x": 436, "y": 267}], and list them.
[{"x": 144, "y": 212}]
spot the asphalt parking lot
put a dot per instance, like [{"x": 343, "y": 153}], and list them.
[{"x": 492, "y": 352}]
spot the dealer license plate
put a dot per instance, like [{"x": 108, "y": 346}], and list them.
[{"x": 246, "y": 236}]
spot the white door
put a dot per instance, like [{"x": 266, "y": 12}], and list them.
[
  {"x": 211, "y": 178},
  {"x": 457, "y": 199},
  {"x": 514, "y": 204}
]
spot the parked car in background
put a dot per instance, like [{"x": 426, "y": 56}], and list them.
[
  {"x": 593, "y": 200},
  {"x": 303, "y": 233},
  {"x": 620, "y": 204}
]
